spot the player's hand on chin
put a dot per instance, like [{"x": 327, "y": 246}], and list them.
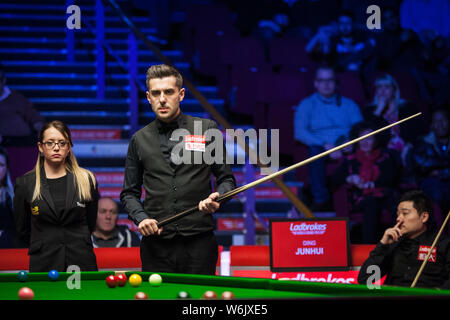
[
  {"x": 209, "y": 205},
  {"x": 149, "y": 227}
]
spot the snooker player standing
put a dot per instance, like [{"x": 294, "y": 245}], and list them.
[
  {"x": 403, "y": 248},
  {"x": 189, "y": 244}
]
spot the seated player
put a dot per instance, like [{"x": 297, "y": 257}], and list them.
[
  {"x": 403, "y": 248},
  {"x": 107, "y": 233}
]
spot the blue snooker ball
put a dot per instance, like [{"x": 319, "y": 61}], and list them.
[
  {"x": 53, "y": 275},
  {"x": 22, "y": 276}
]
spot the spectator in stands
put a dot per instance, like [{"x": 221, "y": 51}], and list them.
[
  {"x": 388, "y": 107},
  {"x": 342, "y": 46},
  {"x": 319, "y": 121},
  {"x": 368, "y": 174},
  {"x": 107, "y": 233},
  {"x": 436, "y": 74},
  {"x": 431, "y": 157},
  {"x": 269, "y": 29},
  {"x": 396, "y": 49},
  {"x": 19, "y": 118},
  {"x": 55, "y": 205},
  {"x": 421, "y": 15},
  {"x": 403, "y": 248},
  {"x": 7, "y": 229}
]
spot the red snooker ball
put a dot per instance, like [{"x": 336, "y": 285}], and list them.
[
  {"x": 111, "y": 281},
  {"x": 210, "y": 295},
  {"x": 227, "y": 295},
  {"x": 140, "y": 296},
  {"x": 26, "y": 293},
  {"x": 121, "y": 279}
]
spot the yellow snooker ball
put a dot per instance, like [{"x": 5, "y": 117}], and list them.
[{"x": 135, "y": 280}]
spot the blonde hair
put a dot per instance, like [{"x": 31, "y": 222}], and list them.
[
  {"x": 82, "y": 178},
  {"x": 389, "y": 80}
]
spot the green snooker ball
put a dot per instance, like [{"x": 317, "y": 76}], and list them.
[{"x": 22, "y": 276}]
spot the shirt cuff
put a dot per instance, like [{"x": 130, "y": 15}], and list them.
[{"x": 139, "y": 217}]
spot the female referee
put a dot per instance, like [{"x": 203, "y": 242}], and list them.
[{"x": 55, "y": 205}]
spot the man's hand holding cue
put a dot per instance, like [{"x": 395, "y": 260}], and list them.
[
  {"x": 209, "y": 205},
  {"x": 149, "y": 227}
]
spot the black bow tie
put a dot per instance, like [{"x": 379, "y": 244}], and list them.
[{"x": 167, "y": 127}]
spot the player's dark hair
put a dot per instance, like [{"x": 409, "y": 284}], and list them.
[
  {"x": 163, "y": 71},
  {"x": 422, "y": 203}
]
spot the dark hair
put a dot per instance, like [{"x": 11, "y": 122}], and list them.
[
  {"x": 357, "y": 128},
  {"x": 346, "y": 13},
  {"x": 422, "y": 203},
  {"x": 163, "y": 71},
  {"x": 441, "y": 110},
  {"x": 326, "y": 67}
]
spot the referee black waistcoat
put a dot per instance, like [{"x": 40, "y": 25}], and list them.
[
  {"x": 169, "y": 188},
  {"x": 57, "y": 240}
]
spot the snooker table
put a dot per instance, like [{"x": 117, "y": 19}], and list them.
[{"x": 93, "y": 287}]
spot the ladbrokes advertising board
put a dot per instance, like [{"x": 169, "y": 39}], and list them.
[{"x": 319, "y": 244}]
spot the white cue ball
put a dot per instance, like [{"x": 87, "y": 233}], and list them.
[{"x": 155, "y": 280}]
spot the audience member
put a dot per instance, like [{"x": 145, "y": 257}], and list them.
[
  {"x": 319, "y": 121},
  {"x": 388, "y": 107},
  {"x": 436, "y": 73},
  {"x": 369, "y": 175},
  {"x": 107, "y": 233},
  {"x": 421, "y": 15},
  {"x": 19, "y": 118},
  {"x": 341, "y": 45},
  {"x": 269, "y": 29},
  {"x": 8, "y": 237},
  {"x": 397, "y": 49},
  {"x": 431, "y": 157}
]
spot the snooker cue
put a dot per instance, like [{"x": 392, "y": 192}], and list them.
[
  {"x": 236, "y": 191},
  {"x": 429, "y": 253}
]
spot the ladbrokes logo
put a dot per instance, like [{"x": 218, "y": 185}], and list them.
[
  {"x": 308, "y": 228},
  {"x": 330, "y": 278}
]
